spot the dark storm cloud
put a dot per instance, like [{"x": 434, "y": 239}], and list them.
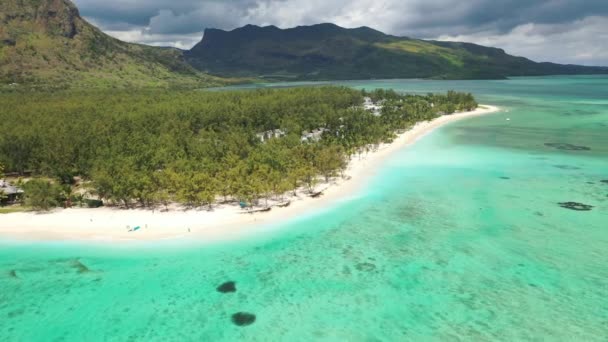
[
  {"x": 506, "y": 15},
  {"x": 131, "y": 11},
  {"x": 192, "y": 12},
  {"x": 177, "y": 22},
  {"x": 458, "y": 17}
]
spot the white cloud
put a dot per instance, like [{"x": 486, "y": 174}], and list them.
[
  {"x": 180, "y": 41},
  {"x": 581, "y": 42}
]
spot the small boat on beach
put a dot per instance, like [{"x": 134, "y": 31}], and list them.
[
  {"x": 284, "y": 205},
  {"x": 317, "y": 194},
  {"x": 263, "y": 210}
]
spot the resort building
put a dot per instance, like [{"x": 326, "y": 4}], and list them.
[
  {"x": 375, "y": 108},
  {"x": 313, "y": 136},
  {"x": 275, "y": 133}
]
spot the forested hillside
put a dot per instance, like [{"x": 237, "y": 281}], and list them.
[
  {"x": 194, "y": 147},
  {"x": 46, "y": 44},
  {"x": 330, "y": 52}
]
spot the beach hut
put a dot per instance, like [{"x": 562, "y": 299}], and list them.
[{"x": 11, "y": 193}]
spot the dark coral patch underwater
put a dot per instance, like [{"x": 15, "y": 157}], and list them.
[
  {"x": 79, "y": 266},
  {"x": 576, "y": 206},
  {"x": 568, "y": 147},
  {"x": 227, "y": 287},
  {"x": 243, "y": 318},
  {"x": 567, "y": 167},
  {"x": 366, "y": 267}
]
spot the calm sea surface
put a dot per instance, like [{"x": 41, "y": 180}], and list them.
[{"x": 459, "y": 237}]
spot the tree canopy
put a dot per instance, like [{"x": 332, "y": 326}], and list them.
[{"x": 41, "y": 194}]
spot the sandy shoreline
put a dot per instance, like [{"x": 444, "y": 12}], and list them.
[{"x": 225, "y": 222}]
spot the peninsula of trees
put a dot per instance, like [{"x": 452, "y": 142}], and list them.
[{"x": 154, "y": 147}]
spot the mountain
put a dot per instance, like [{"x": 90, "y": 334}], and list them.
[
  {"x": 46, "y": 43},
  {"x": 327, "y": 51}
]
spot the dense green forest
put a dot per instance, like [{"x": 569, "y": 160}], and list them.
[{"x": 197, "y": 147}]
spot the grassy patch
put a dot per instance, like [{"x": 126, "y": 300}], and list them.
[
  {"x": 423, "y": 48},
  {"x": 412, "y": 46},
  {"x": 11, "y": 210}
]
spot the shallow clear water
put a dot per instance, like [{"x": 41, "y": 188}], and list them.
[{"x": 459, "y": 237}]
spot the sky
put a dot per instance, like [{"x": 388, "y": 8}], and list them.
[{"x": 562, "y": 31}]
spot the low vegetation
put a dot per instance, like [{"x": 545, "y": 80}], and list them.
[
  {"x": 154, "y": 147},
  {"x": 42, "y": 194}
]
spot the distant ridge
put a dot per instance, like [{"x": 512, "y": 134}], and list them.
[
  {"x": 47, "y": 44},
  {"x": 327, "y": 51}
]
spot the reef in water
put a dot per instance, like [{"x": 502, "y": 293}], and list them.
[
  {"x": 366, "y": 267},
  {"x": 568, "y": 147},
  {"x": 227, "y": 287},
  {"x": 605, "y": 181},
  {"x": 576, "y": 206},
  {"x": 567, "y": 167},
  {"x": 243, "y": 318},
  {"x": 581, "y": 112},
  {"x": 79, "y": 266},
  {"x": 505, "y": 178}
]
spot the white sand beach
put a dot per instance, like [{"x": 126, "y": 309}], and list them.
[{"x": 223, "y": 223}]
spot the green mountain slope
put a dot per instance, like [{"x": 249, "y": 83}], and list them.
[
  {"x": 327, "y": 51},
  {"x": 45, "y": 43}
]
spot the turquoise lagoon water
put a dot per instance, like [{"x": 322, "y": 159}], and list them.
[{"x": 459, "y": 237}]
